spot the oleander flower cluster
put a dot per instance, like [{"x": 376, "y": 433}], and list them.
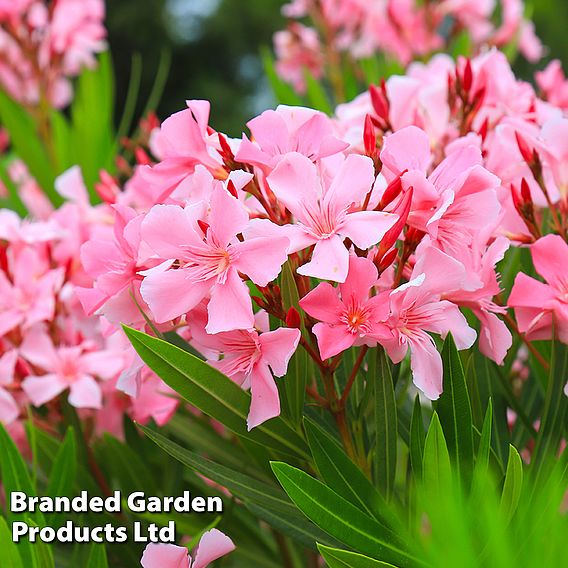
[
  {"x": 44, "y": 44},
  {"x": 392, "y": 217},
  {"x": 404, "y": 30},
  {"x": 51, "y": 353}
]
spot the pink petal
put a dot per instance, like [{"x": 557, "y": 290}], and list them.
[
  {"x": 333, "y": 339},
  {"x": 265, "y": 403},
  {"x": 295, "y": 183},
  {"x": 43, "y": 389},
  {"x": 91, "y": 299},
  {"x": 330, "y": 260},
  {"x": 228, "y": 216},
  {"x": 230, "y": 306},
  {"x": 443, "y": 273},
  {"x": 530, "y": 293},
  {"x": 367, "y": 228},
  {"x": 361, "y": 277},
  {"x": 426, "y": 365},
  {"x": 261, "y": 259},
  {"x": 7, "y": 366},
  {"x": 166, "y": 229},
  {"x": 352, "y": 182},
  {"x": 495, "y": 339},
  {"x": 213, "y": 545},
  {"x": 9, "y": 410},
  {"x": 171, "y": 293},
  {"x": 452, "y": 320},
  {"x": 550, "y": 258},
  {"x": 407, "y": 149},
  {"x": 165, "y": 556},
  {"x": 453, "y": 167},
  {"x": 38, "y": 349},
  {"x": 322, "y": 303},
  {"x": 103, "y": 364},
  {"x": 85, "y": 393},
  {"x": 277, "y": 348}
]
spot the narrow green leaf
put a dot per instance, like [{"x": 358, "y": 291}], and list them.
[
  {"x": 15, "y": 475},
  {"x": 417, "y": 438},
  {"x": 41, "y": 552},
  {"x": 296, "y": 378},
  {"x": 63, "y": 473},
  {"x": 340, "y": 518},
  {"x": 337, "y": 558},
  {"x": 213, "y": 393},
  {"x": 9, "y": 554},
  {"x": 254, "y": 492},
  {"x": 454, "y": 411},
  {"x": 552, "y": 426},
  {"x": 437, "y": 472},
  {"x": 513, "y": 484},
  {"x": 385, "y": 414},
  {"x": 97, "y": 557},
  {"x": 484, "y": 449},
  {"x": 344, "y": 477}
]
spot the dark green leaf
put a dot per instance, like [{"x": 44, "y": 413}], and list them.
[
  {"x": 513, "y": 484},
  {"x": 437, "y": 470},
  {"x": 417, "y": 438},
  {"x": 340, "y": 518},
  {"x": 337, "y": 558},
  {"x": 385, "y": 423},
  {"x": 213, "y": 393},
  {"x": 454, "y": 411}
]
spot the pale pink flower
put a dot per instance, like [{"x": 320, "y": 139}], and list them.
[
  {"x": 30, "y": 297},
  {"x": 348, "y": 316},
  {"x": 416, "y": 308},
  {"x": 538, "y": 306},
  {"x": 213, "y": 545},
  {"x": 248, "y": 359},
  {"x": 553, "y": 84},
  {"x": 322, "y": 210},
  {"x": 66, "y": 367},
  {"x": 210, "y": 258},
  {"x": 276, "y": 133}
]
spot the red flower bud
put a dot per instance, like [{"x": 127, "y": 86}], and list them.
[
  {"x": 370, "y": 137},
  {"x": 467, "y": 79},
  {"x": 293, "y": 318},
  {"x": 392, "y": 191},
  {"x": 387, "y": 260},
  {"x": 526, "y": 192},
  {"x": 380, "y": 102},
  {"x": 142, "y": 157},
  {"x": 524, "y": 148}
]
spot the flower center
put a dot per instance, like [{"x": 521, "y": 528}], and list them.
[{"x": 356, "y": 318}]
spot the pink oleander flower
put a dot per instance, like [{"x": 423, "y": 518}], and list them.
[
  {"x": 209, "y": 257},
  {"x": 347, "y": 314},
  {"x": 183, "y": 141},
  {"x": 212, "y": 546},
  {"x": 248, "y": 359},
  {"x": 298, "y": 51},
  {"x": 276, "y": 133},
  {"x": 322, "y": 208},
  {"x": 553, "y": 84},
  {"x": 416, "y": 308},
  {"x": 30, "y": 297},
  {"x": 539, "y": 307},
  {"x": 68, "y": 367},
  {"x": 495, "y": 339},
  {"x": 458, "y": 197}
]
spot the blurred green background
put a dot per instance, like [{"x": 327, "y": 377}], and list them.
[{"x": 215, "y": 50}]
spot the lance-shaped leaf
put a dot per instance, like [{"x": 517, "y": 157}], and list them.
[
  {"x": 63, "y": 474},
  {"x": 213, "y": 393},
  {"x": 266, "y": 500},
  {"x": 97, "y": 557},
  {"x": 344, "y": 477},
  {"x": 339, "y": 518},
  {"x": 552, "y": 426},
  {"x": 437, "y": 470},
  {"x": 338, "y": 558},
  {"x": 9, "y": 551},
  {"x": 385, "y": 414},
  {"x": 296, "y": 378},
  {"x": 513, "y": 484},
  {"x": 454, "y": 410},
  {"x": 417, "y": 438}
]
